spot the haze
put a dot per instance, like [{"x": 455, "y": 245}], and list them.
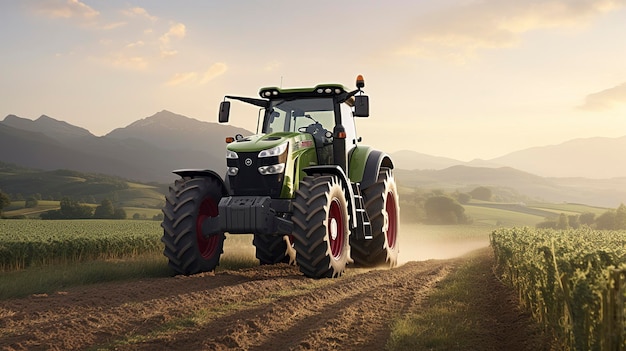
[{"x": 455, "y": 78}]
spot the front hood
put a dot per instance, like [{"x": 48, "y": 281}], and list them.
[{"x": 267, "y": 141}]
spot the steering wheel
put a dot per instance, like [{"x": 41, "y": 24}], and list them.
[{"x": 315, "y": 129}]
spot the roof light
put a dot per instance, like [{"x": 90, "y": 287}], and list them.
[
  {"x": 229, "y": 140},
  {"x": 360, "y": 82},
  {"x": 328, "y": 90},
  {"x": 320, "y": 90}
]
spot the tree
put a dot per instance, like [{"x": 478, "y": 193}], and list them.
[
  {"x": 620, "y": 217},
  {"x": 119, "y": 213},
  {"x": 70, "y": 209},
  {"x": 5, "y": 201},
  {"x": 105, "y": 210},
  {"x": 464, "y": 198},
  {"x": 562, "y": 222},
  {"x": 587, "y": 218},
  {"x": 31, "y": 202},
  {"x": 482, "y": 193},
  {"x": 573, "y": 221},
  {"x": 444, "y": 210},
  {"x": 606, "y": 221}
]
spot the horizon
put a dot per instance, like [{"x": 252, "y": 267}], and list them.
[
  {"x": 457, "y": 79},
  {"x": 396, "y": 151}
]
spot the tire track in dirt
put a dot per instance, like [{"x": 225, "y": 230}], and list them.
[{"x": 267, "y": 307}]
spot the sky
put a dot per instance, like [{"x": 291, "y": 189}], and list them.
[{"x": 463, "y": 79}]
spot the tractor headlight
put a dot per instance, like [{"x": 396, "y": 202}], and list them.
[
  {"x": 231, "y": 154},
  {"x": 275, "y": 151},
  {"x": 273, "y": 169},
  {"x": 232, "y": 171}
]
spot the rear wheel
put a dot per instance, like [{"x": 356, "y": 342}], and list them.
[
  {"x": 272, "y": 249},
  {"x": 189, "y": 203},
  {"x": 382, "y": 206},
  {"x": 321, "y": 227}
]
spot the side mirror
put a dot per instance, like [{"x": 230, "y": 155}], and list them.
[
  {"x": 361, "y": 106},
  {"x": 224, "y": 111}
]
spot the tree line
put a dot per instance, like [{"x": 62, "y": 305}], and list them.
[
  {"x": 72, "y": 209},
  {"x": 612, "y": 219}
]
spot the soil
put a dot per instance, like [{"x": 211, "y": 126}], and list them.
[{"x": 263, "y": 308}]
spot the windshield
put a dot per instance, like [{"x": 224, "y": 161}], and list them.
[{"x": 290, "y": 115}]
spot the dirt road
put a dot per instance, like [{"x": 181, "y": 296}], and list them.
[{"x": 264, "y": 308}]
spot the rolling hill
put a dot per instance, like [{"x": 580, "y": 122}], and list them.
[
  {"x": 599, "y": 158},
  {"x": 147, "y": 150}
]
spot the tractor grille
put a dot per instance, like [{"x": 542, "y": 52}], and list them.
[{"x": 249, "y": 181}]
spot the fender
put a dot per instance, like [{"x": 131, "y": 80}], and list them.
[
  {"x": 365, "y": 164},
  {"x": 206, "y": 173},
  {"x": 337, "y": 171}
]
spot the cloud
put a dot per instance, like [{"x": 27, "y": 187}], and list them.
[
  {"x": 66, "y": 9},
  {"x": 605, "y": 99},
  {"x": 216, "y": 70},
  {"x": 460, "y": 31},
  {"x": 139, "y": 12},
  {"x": 176, "y": 30}
]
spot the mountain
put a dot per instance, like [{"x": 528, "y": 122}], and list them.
[
  {"x": 600, "y": 158},
  {"x": 588, "y": 157},
  {"x": 172, "y": 131},
  {"x": 406, "y": 159},
  {"x": 147, "y": 150},
  {"x": 47, "y": 125},
  {"x": 595, "y": 192}
]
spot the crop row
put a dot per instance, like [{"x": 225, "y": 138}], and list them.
[
  {"x": 25, "y": 243},
  {"x": 572, "y": 281}
]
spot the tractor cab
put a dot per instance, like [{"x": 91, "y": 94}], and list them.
[{"x": 325, "y": 111}]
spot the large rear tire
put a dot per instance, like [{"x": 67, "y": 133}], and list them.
[
  {"x": 272, "y": 249},
  {"x": 321, "y": 228},
  {"x": 191, "y": 201},
  {"x": 382, "y": 206}
]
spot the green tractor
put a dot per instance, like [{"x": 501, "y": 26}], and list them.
[{"x": 304, "y": 186}]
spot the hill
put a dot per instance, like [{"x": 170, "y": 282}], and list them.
[
  {"x": 515, "y": 185},
  {"x": 146, "y": 150},
  {"x": 599, "y": 158},
  {"x": 84, "y": 187}
]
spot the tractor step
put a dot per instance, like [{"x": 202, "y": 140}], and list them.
[{"x": 364, "y": 227}]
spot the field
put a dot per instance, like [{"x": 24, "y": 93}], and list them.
[
  {"x": 251, "y": 307},
  {"x": 131, "y": 301}
]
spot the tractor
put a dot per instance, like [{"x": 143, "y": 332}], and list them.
[{"x": 304, "y": 186}]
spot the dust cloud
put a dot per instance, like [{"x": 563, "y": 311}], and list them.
[{"x": 420, "y": 243}]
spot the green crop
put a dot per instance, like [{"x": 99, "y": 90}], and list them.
[
  {"x": 25, "y": 243},
  {"x": 572, "y": 281}
]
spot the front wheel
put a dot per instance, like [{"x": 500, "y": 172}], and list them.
[
  {"x": 321, "y": 228},
  {"x": 273, "y": 249},
  {"x": 189, "y": 203}
]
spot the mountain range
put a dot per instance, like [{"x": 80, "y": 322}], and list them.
[
  {"x": 146, "y": 150},
  {"x": 150, "y": 148}
]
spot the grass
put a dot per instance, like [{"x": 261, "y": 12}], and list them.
[
  {"x": 54, "y": 278},
  {"x": 449, "y": 322}
]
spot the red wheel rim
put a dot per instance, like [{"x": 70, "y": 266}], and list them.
[
  {"x": 207, "y": 246},
  {"x": 336, "y": 229},
  {"x": 392, "y": 217}
]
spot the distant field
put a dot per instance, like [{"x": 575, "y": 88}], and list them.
[{"x": 510, "y": 215}]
